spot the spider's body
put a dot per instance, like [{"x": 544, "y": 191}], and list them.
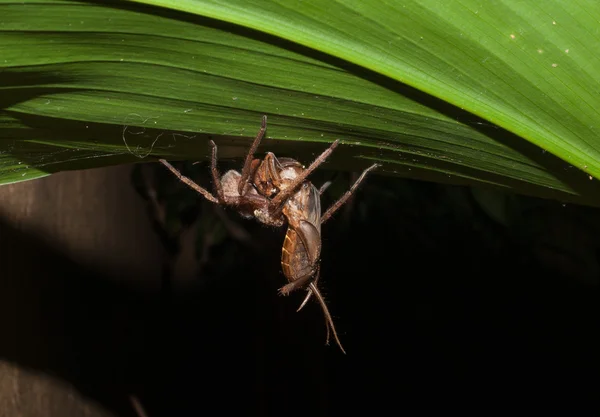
[
  {"x": 275, "y": 192},
  {"x": 251, "y": 204}
]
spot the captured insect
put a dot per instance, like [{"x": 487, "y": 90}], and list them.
[{"x": 275, "y": 191}]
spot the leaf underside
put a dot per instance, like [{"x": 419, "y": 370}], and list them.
[{"x": 503, "y": 95}]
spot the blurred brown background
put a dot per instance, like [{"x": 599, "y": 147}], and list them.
[
  {"x": 58, "y": 234},
  {"x": 447, "y": 299}
]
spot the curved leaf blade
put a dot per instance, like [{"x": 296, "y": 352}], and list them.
[
  {"x": 119, "y": 83},
  {"x": 521, "y": 65}
]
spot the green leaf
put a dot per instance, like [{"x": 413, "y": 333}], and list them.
[{"x": 460, "y": 92}]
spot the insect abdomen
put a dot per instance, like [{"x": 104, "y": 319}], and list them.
[{"x": 294, "y": 257}]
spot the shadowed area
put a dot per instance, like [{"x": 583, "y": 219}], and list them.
[{"x": 439, "y": 306}]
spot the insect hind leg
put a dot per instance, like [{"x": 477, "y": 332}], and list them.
[
  {"x": 310, "y": 292},
  {"x": 299, "y": 283}
]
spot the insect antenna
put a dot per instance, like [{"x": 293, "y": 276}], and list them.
[{"x": 327, "y": 314}]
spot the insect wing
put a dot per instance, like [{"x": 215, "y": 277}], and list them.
[
  {"x": 308, "y": 202},
  {"x": 313, "y": 209}
]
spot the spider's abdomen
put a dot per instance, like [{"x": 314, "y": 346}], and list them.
[{"x": 230, "y": 182}]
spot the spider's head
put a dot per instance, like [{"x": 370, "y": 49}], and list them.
[
  {"x": 266, "y": 177},
  {"x": 266, "y": 188}
]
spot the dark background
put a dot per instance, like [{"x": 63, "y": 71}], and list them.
[{"x": 447, "y": 300}]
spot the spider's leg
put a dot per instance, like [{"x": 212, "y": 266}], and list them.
[
  {"x": 215, "y": 173},
  {"x": 278, "y": 201},
  {"x": 335, "y": 206},
  {"x": 187, "y": 181},
  {"x": 247, "y": 170}
]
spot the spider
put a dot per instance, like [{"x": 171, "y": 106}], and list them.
[{"x": 275, "y": 192}]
